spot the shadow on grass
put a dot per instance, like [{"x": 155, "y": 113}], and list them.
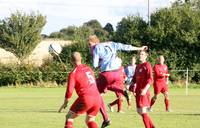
[
  {"x": 189, "y": 114},
  {"x": 31, "y": 110}
]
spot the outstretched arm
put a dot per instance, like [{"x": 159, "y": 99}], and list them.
[{"x": 125, "y": 47}]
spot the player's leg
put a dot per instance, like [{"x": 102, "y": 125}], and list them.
[
  {"x": 70, "y": 119},
  {"x": 146, "y": 119},
  {"x": 103, "y": 110},
  {"x": 119, "y": 103},
  {"x": 92, "y": 112},
  {"x": 166, "y": 101},
  {"x": 142, "y": 109},
  {"x": 114, "y": 83},
  {"x": 111, "y": 105},
  {"x": 80, "y": 106},
  {"x": 101, "y": 85},
  {"x": 90, "y": 121},
  {"x": 157, "y": 90},
  {"x": 153, "y": 100},
  {"x": 127, "y": 86}
]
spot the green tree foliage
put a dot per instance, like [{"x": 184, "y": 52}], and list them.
[
  {"x": 93, "y": 24},
  {"x": 177, "y": 28},
  {"x": 174, "y": 32},
  {"x": 20, "y": 33},
  {"x": 130, "y": 30},
  {"x": 109, "y": 28}
]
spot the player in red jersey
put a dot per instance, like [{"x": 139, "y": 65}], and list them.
[
  {"x": 119, "y": 99},
  {"x": 140, "y": 84},
  {"x": 83, "y": 81},
  {"x": 161, "y": 81}
]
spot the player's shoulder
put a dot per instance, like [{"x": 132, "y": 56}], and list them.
[
  {"x": 165, "y": 65},
  {"x": 155, "y": 66},
  {"x": 73, "y": 71}
]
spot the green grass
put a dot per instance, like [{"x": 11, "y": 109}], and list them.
[{"x": 37, "y": 108}]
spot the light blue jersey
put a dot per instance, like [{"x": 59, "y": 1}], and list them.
[
  {"x": 130, "y": 71},
  {"x": 105, "y": 55}
]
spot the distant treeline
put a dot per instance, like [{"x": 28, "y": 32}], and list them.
[{"x": 173, "y": 31}]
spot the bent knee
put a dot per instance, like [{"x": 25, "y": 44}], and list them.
[
  {"x": 166, "y": 95},
  {"x": 71, "y": 115},
  {"x": 142, "y": 110},
  {"x": 89, "y": 118}
]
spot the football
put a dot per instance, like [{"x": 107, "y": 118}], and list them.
[{"x": 55, "y": 48}]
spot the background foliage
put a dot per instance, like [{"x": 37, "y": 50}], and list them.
[{"x": 173, "y": 32}]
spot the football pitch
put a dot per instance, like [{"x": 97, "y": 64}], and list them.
[{"x": 37, "y": 108}]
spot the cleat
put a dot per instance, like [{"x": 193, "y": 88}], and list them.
[
  {"x": 110, "y": 108},
  {"x": 105, "y": 123}
]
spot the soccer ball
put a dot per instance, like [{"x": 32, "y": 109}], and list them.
[{"x": 55, "y": 48}]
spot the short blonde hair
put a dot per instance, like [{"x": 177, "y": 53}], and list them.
[{"x": 93, "y": 38}]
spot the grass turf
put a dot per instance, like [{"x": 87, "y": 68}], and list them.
[{"x": 37, "y": 108}]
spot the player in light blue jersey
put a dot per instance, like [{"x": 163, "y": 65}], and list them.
[
  {"x": 105, "y": 57},
  {"x": 130, "y": 71}
]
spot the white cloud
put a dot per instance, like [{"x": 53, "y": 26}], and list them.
[{"x": 61, "y": 13}]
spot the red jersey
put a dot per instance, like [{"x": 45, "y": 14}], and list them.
[
  {"x": 142, "y": 76},
  {"x": 83, "y": 80},
  {"x": 159, "y": 70}
]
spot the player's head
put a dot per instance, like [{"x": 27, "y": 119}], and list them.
[
  {"x": 93, "y": 40},
  {"x": 76, "y": 58},
  {"x": 161, "y": 59},
  {"x": 133, "y": 60},
  {"x": 143, "y": 56}
]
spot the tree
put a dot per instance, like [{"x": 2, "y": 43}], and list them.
[
  {"x": 109, "y": 28},
  {"x": 20, "y": 33},
  {"x": 130, "y": 30},
  {"x": 93, "y": 24}
]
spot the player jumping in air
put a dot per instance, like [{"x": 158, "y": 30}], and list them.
[
  {"x": 105, "y": 57},
  {"x": 119, "y": 99},
  {"x": 140, "y": 84},
  {"x": 83, "y": 81},
  {"x": 161, "y": 81}
]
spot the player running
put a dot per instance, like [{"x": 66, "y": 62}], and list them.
[
  {"x": 105, "y": 57},
  {"x": 119, "y": 99},
  {"x": 82, "y": 80},
  {"x": 161, "y": 81},
  {"x": 130, "y": 71},
  {"x": 141, "y": 84}
]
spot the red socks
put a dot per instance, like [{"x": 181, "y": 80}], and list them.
[
  {"x": 166, "y": 104},
  {"x": 147, "y": 121},
  {"x": 103, "y": 110},
  {"x": 92, "y": 124},
  {"x": 68, "y": 124}
]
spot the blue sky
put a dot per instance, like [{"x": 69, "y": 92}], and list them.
[{"x": 63, "y": 13}]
